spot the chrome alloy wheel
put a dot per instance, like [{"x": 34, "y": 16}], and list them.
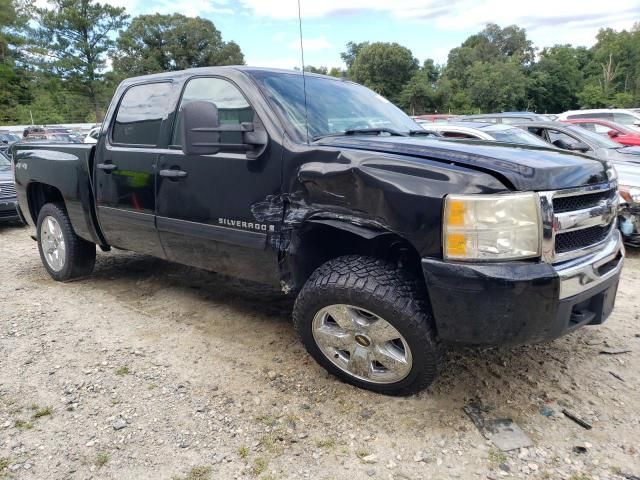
[
  {"x": 52, "y": 242},
  {"x": 362, "y": 344}
]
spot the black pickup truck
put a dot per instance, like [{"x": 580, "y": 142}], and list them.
[{"x": 393, "y": 242}]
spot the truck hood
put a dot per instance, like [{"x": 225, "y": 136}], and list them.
[{"x": 521, "y": 168}]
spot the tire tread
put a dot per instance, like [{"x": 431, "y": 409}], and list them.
[
  {"x": 364, "y": 279},
  {"x": 81, "y": 254}
]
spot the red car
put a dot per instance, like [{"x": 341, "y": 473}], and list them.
[
  {"x": 434, "y": 118},
  {"x": 615, "y": 131}
]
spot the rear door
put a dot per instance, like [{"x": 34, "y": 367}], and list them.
[
  {"x": 205, "y": 212},
  {"x": 125, "y": 170}
]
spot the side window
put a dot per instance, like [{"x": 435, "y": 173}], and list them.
[
  {"x": 140, "y": 114},
  {"x": 624, "y": 118},
  {"x": 601, "y": 129},
  {"x": 561, "y": 138},
  {"x": 588, "y": 126},
  {"x": 600, "y": 115},
  {"x": 233, "y": 108},
  {"x": 457, "y": 135}
]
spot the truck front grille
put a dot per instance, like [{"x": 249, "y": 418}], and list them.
[
  {"x": 566, "y": 242},
  {"x": 579, "y": 202},
  {"x": 577, "y": 221},
  {"x": 7, "y": 190}
]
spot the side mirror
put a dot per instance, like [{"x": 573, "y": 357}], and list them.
[
  {"x": 6, "y": 142},
  {"x": 575, "y": 147},
  {"x": 202, "y": 131},
  {"x": 613, "y": 133},
  {"x": 579, "y": 147}
]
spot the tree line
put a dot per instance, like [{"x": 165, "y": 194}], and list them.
[
  {"x": 499, "y": 69},
  {"x": 61, "y": 64}
]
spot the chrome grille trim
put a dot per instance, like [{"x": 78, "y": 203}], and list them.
[{"x": 602, "y": 214}]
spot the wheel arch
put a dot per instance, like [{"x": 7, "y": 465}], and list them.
[
  {"x": 317, "y": 241},
  {"x": 79, "y": 211},
  {"x": 38, "y": 195}
]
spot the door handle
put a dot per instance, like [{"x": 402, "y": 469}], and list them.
[
  {"x": 108, "y": 167},
  {"x": 173, "y": 173}
]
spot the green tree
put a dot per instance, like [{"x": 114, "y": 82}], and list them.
[
  {"x": 320, "y": 70},
  {"x": 615, "y": 63},
  {"x": 353, "y": 48},
  {"x": 497, "y": 87},
  {"x": 423, "y": 93},
  {"x": 592, "y": 96},
  {"x": 417, "y": 96},
  {"x": 337, "y": 72},
  {"x": 159, "y": 43},
  {"x": 384, "y": 67},
  {"x": 73, "y": 39},
  {"x": 556, "y": 79},
  {"x": 474, "y": 70},
  {"x": 14, "y": 77}
]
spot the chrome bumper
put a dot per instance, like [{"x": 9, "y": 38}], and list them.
[{"x": 584, "y": 273}]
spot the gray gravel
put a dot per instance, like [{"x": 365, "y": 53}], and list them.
[{"x": 154, "y": 370}]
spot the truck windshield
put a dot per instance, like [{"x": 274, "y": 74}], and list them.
[{"x": 333, "y": 106}]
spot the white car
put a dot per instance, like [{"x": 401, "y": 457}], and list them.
[
  {"x": 495, "y": 132},
  {"x": 92, "y": 136},
  {"x": 628, "y": 118}
]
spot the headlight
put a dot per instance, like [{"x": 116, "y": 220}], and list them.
[
  {"x": 630, "y": 194},
  {"x": 492, "y": 227}
]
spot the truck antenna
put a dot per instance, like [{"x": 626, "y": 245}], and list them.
[{"x": 304, "y": 80}]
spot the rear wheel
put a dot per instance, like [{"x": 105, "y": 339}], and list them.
[
  {"x": 64, "y": 254},
  {"x": 369, "y": 323}
]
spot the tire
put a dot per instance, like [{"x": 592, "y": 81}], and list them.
[
  {"x": 359, "y": 292},
  {"x": 55, "y": 235}
]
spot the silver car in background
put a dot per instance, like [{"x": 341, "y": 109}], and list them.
[{"x": 493, "y": 132}]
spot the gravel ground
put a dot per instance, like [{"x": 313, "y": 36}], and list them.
[{"x": 153, "y": 370}]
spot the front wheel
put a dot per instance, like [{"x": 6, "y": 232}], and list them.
[
  {"x": 64, "y": 254},
  {"x": 369, "y": 323}
]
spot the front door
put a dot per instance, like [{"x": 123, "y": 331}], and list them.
[
  {"x": 205, "y": 202},
  {"x": 126, "y": 169}
]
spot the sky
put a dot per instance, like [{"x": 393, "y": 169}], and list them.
[{"x": 268, "y": 30}]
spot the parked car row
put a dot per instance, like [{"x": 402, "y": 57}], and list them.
[
  {"x": 8, "y": 200},
  {"x": 6, "y": 140}
]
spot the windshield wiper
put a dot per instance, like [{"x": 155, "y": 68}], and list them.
[{"x": 362, "y": 131}]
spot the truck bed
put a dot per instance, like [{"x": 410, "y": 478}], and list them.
[{"x": 66, "y": 167}]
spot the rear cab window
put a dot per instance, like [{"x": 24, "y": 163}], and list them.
[{"x": 140, "y": 114}]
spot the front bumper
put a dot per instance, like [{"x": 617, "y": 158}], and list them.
[
  {"x": 9, "y": 209},
  {"x": 515, "y": 303}
]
